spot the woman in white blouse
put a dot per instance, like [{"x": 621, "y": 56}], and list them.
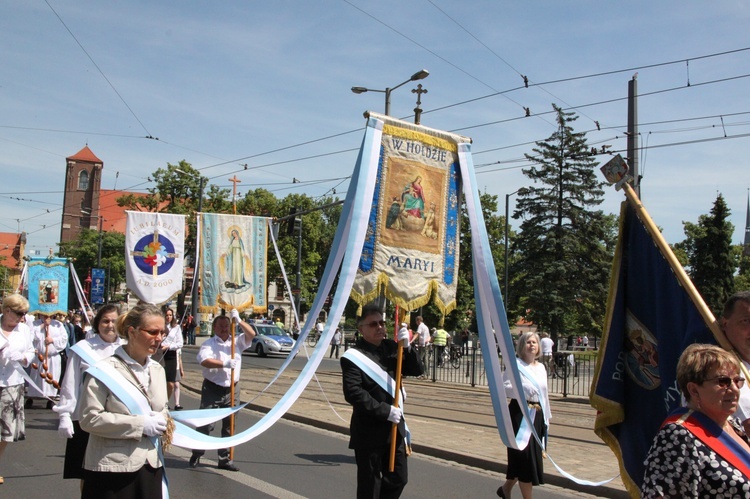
[
  {"x": 525, "y": 466},
  {"x": 15, "y": 350},
  {"x": 101, "y": 345}
]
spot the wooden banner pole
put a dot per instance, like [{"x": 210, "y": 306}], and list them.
[{"x": 397, "y": 396}]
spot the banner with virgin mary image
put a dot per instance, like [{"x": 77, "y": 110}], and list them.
[
  {"x": 233, "y": 263},
  {"x": 410, "y": 252}
]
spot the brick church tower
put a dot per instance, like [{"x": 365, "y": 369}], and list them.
[{"x": 83, "y": 176}]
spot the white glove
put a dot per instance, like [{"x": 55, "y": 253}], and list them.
[
  {"x": 65, "y": 429},
  {"x": 403, "y": 336},
  {"x": 230, "y": 363},
  {"x": 154, "y": 424},
  {"x": 395, "y": 415},
  {"x": 17, "y": 357},
  {"x": 235, "y": 315}
]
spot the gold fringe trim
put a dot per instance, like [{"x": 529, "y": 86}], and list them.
[{"x": 381, "y": 287}]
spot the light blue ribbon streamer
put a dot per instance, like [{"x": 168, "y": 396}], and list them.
[{"x": 347, "y": 247}]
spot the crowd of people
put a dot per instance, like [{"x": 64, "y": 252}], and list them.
[{"x": 114, "y": 445}]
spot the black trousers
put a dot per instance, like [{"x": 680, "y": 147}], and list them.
[
  {"x": 374, "y": 481},
  {"x": 216, "y": 396}
]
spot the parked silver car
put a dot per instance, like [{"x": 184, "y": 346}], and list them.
[{"x": 270, "y": 339}]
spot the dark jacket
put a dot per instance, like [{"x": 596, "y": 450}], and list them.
[{"x": 369, "y": 426}]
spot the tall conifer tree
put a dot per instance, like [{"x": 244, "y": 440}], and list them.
[{"x": 564, "y": 244}]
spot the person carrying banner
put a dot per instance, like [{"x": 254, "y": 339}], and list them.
[
  {"x": 526, "y": 466},
  {"x": 700, "y": 450},
  {"x": 104, "y": 343},
  {"x": 735, "y": 322},
  {"x": 217, "y": 361},
  {"x": 16, "y": 351},
  {"x": 50, "y": 338},
  {"x": 373, "y": 414},
  {"x": 123, "y": 458}
]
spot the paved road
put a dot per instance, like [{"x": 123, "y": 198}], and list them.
[{"x": 291, "y": 460}]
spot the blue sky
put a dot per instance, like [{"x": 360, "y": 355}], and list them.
[{"x": 267, "y": 84}]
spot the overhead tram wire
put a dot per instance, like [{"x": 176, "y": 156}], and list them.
[
  {"x": 608, "y": 101},
  {"x": 149, "y": 136},
  {"x": 592, "y": 75}
]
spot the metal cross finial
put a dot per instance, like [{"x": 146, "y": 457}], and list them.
[{"x": 418, "y": 110}]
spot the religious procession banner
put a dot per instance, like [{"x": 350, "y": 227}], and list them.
[
  {"x": 154, "y": 255},
  {"x": 411, "y": 248},
  {"x": 48, "y": 285},
  {"x": 233, "y": 263}
]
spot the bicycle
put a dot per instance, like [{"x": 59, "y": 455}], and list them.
[
  {"x": 454, "y": 356},
  {"x": 312, "y": 338}
]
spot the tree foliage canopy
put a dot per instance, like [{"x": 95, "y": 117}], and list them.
[{"x": 564, "y": 247}]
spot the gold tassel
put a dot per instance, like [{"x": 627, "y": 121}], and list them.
[{"x": 166, "y": 438}]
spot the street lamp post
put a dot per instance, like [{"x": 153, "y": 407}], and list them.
[
  {"x": 505, "y": 287},
  {"x": 419, "y": 75}
]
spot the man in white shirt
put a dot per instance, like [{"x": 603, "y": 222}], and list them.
[
  {"x": 548, "y": 347},
  {"x": 422, "y": 339},
  {"x": 217, "y": 361}
]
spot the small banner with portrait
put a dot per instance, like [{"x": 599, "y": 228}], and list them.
[
  {"x": 232, "y": 272},
  {"x": 154, "y": 255},
  {"x": 48, "y": 285},
  {"x": 410, "y": 251}
]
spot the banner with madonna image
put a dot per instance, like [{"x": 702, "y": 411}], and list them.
[
  {"x": 154, "y": 255},
  {"x": 233, "y": 263},
  {"x": 410, "y": 251},
  {"x": 48, "y": 285}
]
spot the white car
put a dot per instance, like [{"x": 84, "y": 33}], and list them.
[{"x": 270, "y": 339}]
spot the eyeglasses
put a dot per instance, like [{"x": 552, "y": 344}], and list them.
[
  {"x": 153, "y": 332},
  {"x": 19, "y": 313},
  {"x": 373, "y": 324},
  {"x": 726, "y": 381}
]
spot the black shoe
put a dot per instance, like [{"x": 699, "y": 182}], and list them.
[
  {"x": 178, "y": 408},
  {"x": 194, "y": 460},
  {"x": 500, "y": 492},
  {"x": 228, "y": 465},
  {"x": 28, "y": 404},
  {"x": 49, "y": 404}
]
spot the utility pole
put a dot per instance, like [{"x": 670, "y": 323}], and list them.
[{"x": 633, "y": 133}]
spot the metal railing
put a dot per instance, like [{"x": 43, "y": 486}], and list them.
[{"x": 569, "y": 373}]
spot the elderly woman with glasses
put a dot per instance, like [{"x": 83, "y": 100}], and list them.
[
  {"x": 16, "y": 352},
  {"x": 700, "y": 450},
  {"x": 123, "y": 456}
]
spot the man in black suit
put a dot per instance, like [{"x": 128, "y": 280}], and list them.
[{"x": 374, "y": 414}]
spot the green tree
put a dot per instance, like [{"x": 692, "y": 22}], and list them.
[
  {"x": 84, "y": 252},
  {"x": 564, "y": 244},
  {"x": 712, "y": 260}
]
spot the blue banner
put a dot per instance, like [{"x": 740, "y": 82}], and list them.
[
  {"x": 650, "y": 320},
  {"x": 97, "y": 286},
  {"x": 48, "y": 285}
]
